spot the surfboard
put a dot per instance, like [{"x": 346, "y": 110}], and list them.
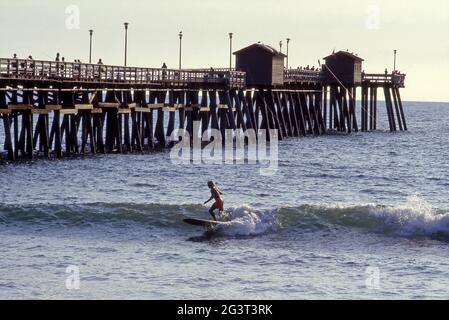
[{"x": 202, "y": 222}]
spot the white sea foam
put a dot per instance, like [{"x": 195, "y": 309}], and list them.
[
  {"x": 414, "y": 217},
  {"x": 247, "y": 221}
]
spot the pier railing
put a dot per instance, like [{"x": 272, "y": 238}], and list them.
[
  {"x": 218, "y": 74},
  {"x": 74, "y": 72},
  {"x": 302, "y": 75},
  {"x": 396, "y": 79},
  {"x": 99, "y": 73}
]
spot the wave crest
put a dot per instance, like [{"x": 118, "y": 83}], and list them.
[{"x": 415, "y": 217}]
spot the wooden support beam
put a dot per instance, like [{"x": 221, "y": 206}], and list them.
[
  {"x": 98, "y": 131},
  {"x": 389, "y": 109},
  {"x": 298, "y": 109},
  {"x": 91, "y": 133},
  {"x": 57, "y": 133},
  {"x": 331, "y": 108},
  {"x": 171, "y": 116},
  {"x": 363, "y": 108},
  {"x": 96, "y": 110},
  {"x": 113, "y": 105},
  {"x": 252, "y": 121},
  {"x": 41, "y": 132},
  {"x": 40, "y": 111},
  {"x": 8, "y": 138},
  {"x": 188, "y": 119},
  {"x": 306, "y": 112},
  {"x": 65, "y": 129},
  {"x": 136, "y": 133},
  {"x": 341, "y": 111},
  {"x": 74, "y": 133},
  {"x": 375, "y": 110},
  {"x": 367, "y": 105},
  {"x": 279, "y": 112},
  {"x": 272, "y": 114},
  {"x": 37, "y": 131},
  {"x": 16, "y": 134},
  {"x": 84, "y": 106},
  {"x": 127, "y": 137},
  {"x": 29, "y": 134},
  {"x": 346, "y": 113},
  {"x": 313, "y": 114},
  {"x": 230, "y": 111},
  {"x": 156, "y": 105},
  {"x": 257, "y": 112},
  {"x": 324, "y": 105},
  {"x": 396, "y": 107},
  {"x": 239, "y": 110},
  {"x": 159, "y": 133},
  {"x": 181, "y": 111},
  {"x": 213, "y": 110},
  {"x": 262, "y": 105},
  {"x": 69, "y": 111},
  {"x": 142, "y": 109},
  {"x": 353, "y": 103},
  {"x": 251, "y": 112},
  {"x": 111, "y": 117},
  {"x": 222, "y": 115},
  {"x": 293, "y": 114},
  {"x": 401, "y": 109},
  {"x": 204, "y": 112},
  {"x": 318, "y": 108},
  {"x": 290, "y": 130},
  {"x": 118, "y": 132},
  {"x": 20, "y": 107},
  {"x": 84, "y": 134}
]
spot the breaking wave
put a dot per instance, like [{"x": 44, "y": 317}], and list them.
[{"x": 414, "y": 218}]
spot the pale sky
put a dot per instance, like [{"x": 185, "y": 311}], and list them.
[{"x": 419, "y": 30}]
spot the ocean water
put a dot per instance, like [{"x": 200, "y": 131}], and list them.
[{"x": 360, "y": 216}]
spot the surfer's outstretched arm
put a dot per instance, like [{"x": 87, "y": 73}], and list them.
[{"x": 208, "y": 200}]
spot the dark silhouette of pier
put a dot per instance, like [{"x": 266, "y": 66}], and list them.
[{"x": 54, "y": 108}]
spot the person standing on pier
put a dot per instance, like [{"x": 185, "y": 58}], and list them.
[
  {"x": 57, "y": 63},
  {"x": 164, "y": 71},
  {"x": 31, "y": 64},
  {"x": 97, "y": 69},
  {"x": 216, "y": 194},
  {"x": 14, "y": 63},
  {"x": 62, "y": 66}
]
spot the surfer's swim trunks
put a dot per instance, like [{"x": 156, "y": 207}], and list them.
[{"x": 218, "y": 204}]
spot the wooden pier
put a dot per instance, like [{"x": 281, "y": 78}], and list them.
[{"x": 53, "y": 109}]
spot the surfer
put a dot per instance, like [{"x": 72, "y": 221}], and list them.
[{"x": 216, "y": 195}]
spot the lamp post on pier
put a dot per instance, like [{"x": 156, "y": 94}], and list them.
[
  {"x": 230, "y": 51},
  {"x": 280, "y": 46},
  {"x": 288, "y": 40},
  {"x": 180, "y": 49},
  {"x": 394, "y": 65},
  {"x": 91, "y": 32},
  {"x": 126, "y": 41}
]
